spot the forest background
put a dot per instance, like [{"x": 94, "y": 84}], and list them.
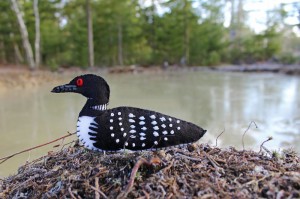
[{"x": 55, "y": 33}]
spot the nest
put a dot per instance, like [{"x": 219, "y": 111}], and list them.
[{"x": 192, "y": 172}]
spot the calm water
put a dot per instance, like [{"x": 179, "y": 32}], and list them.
[{"x": 214, "y": 101}]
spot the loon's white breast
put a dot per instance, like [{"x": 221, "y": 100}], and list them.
[{"x": 83, "y": 129}]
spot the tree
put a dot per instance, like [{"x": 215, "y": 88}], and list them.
[
  {"x": 37, "y": 33},
  {"x": 90, "y": 33},
  {"x": 24, "y": 34}
]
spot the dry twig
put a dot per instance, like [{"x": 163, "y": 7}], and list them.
[
  {"x": 71, "y": 193},
  {"x": 252, "y": 122},
  {"x": 32, "y": 148},
  {"x": 98, "y": 191},
  {"x": 219, "y": 136},
  {"x": 140, "y": 162},
  {"x": 269, "y": 138},
  {"x": 97, "y": 196}
]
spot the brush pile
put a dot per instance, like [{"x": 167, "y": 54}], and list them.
[{"x": 190, "y": 172}]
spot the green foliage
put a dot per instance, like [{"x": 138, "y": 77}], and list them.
[
  {"x": 182, "y": 34},
  {"x": 256, "y": 47},
  {"x": 288, "y": 58}
]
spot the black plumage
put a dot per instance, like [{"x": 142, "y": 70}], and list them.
[{"x": 120, "y": 128}]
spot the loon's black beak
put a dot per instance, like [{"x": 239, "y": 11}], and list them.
[{"x": 64, "y": 88}]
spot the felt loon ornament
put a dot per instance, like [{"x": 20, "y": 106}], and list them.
[{"x": 102, "y": 129}]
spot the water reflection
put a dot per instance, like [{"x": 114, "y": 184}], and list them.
[{"x": 215, "y": 101}]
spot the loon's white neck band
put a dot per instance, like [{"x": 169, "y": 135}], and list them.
[{"x": 101, "y": 107}]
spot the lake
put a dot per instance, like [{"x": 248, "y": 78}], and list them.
[{"x": 215, "y": 101}]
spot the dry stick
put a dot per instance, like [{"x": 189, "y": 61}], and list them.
[
  {"x": 246, "y": 132},
  {"x": 267, "y": 150},
  {"x": 140, "y": 162},
  {"x": 98, "y": 191},
  {"x": 219, "y": 136},
  {"x": 215, "y": 164},
  {"x": 71, "y": 194},
  {"x": 41, "y": 145},
  {"x": 188, "y": 157},
  {"x": 147, "y": 195},
  {"x": 97, "y": 195},
  {"x": 267, "y": 140}
]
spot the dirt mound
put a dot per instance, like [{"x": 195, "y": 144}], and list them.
[{"x": 192, "y": 172}]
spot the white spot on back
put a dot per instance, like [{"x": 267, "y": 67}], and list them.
[
  {"x": 155, "y": 127},
  {"x": 163, "y": 125},
  {"x": 142, "y": 123},
  {"x": 131, "y": 120},
  {"x": 120, "y": 118},
  {"x": 170, "y": 125},
  {"x": 165, "y": 132},
  {"x": 178, "y": 121},
  {"x": 144, "y": 128},
  {"x": 142, "y": 138},
  {"x": 172, "y": 132},
  {"x": 143, "y": 145},
  {"x": 155, "y": 134},
  {"x": 122, "y": 129},
  {"x": 132, "y": 126},
  {"x": 152, "y": 117},
  {"x": 120, "y": 123},
  {"x": 126, "y": 143},
  {"x": 166, "y": 139},
  {"x": 111, "y": 120},
  {"x": 142, "y": 134},
  {"x": 133, "y": 144},
  {"x": 142, "y": 118},
  {"x": 124, "y": 134},
  {"x": 154, "y": 122},
  {"x": 133, "y": 136},
  {"x": 162, "y": 119},
  {"x": 111, "y": 128},
  {"x": 112, "y": 135},
  {"x": 132, "y": 131},
  {"x": 178, "y": 128},
  {"x": 155, "y": 142},
  {"x": 131, "y": 115},
  {"x": 112, "y": 114},
  {"x": 170, "y": 119},
  {"x": 117, "y": 140},
  {"x": 119, "y": 113}
]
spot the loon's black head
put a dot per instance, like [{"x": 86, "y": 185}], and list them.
[{"x": 89, "y": 85}]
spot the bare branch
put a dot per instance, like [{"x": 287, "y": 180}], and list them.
[
  {"x": 219, "y": 136},
  {"x": 140, "y": 162},
  {"x": 32, "y": 148},
  {"x": 252, "y": 122},
  {"x": 267, "y": 140}
]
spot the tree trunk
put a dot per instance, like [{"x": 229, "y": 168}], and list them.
[
  {"x": 37, "y": 34},
  {"x": 19, "y": 58},
  {"x": 153, "y": 28},
  {"x": 18, "y": 55},
  {"x": 24, "y": 34},
  {"x": 120, "y": 44},
  {"x": 2, "y": 50},
  {"x": 186, "y": 39},
  {"x": 90, "y": 33}
]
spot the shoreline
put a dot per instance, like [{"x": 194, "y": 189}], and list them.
[{"x": 21, "y": 77}]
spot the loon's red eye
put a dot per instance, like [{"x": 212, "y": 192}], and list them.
[{"x": 79, "y": 82}]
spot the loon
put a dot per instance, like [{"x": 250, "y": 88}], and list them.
[{"x": 117, "y": 129}]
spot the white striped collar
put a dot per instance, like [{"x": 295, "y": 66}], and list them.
[{"x": 101, "y": 107}]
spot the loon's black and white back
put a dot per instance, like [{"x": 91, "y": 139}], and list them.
[{"x": 102, "y": 129}]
